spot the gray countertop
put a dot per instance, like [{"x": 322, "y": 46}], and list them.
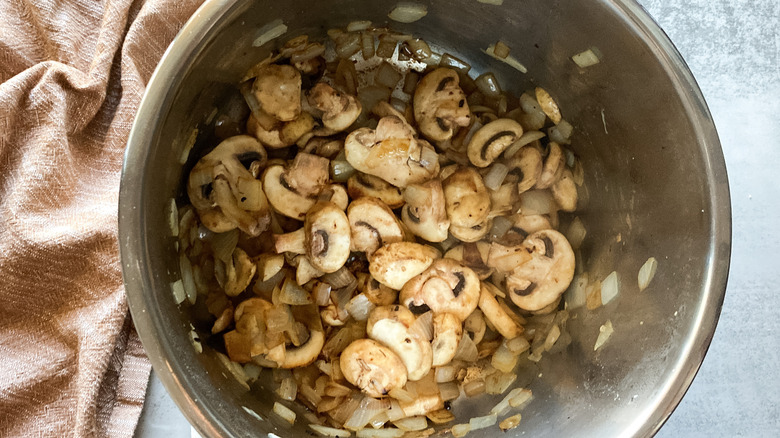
[{"x": 733, "y": 49}]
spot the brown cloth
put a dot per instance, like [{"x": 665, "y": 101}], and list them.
[{"x": 72, "y": 74}]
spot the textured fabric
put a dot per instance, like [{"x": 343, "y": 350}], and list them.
[{"x": 71, "y": 76}]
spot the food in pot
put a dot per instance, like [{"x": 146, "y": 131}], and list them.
[{"x": 382, "y": 239}]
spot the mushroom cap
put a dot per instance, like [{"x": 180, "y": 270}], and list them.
[
  {"x": 527, "y": 165},
  {"x": 278, "y": 89},
  {"x": 425, "y": 212},
  {"x": 538, "y": 282},
  {"x": 270, "y": 138},
  {"x": 466, "y": 199},
  {"x": 473, "y": 233},
  {"x": 362, "y": 184},
  {"x": 396, "y": 263},
  {"x": 373, "y": 225},
  {"x": 447, "y": 331},
  {"x": 328, "y": 237},
  {"x": 372, "y": 367},
  {"x": 491, "y": 140},
  {"x": 285, "y": 200},
  {"x": 440, "y": 105},
  {"x": 447, "y": 286},
  {"x": 496, "y": 315},
  {"x": 474, "y": 255},
  {"x": 378, "y": 293},
  {"x": 339, "y": 110},
  {"x": 391, "y": 152},
  {"x": 391, "y": 326}
]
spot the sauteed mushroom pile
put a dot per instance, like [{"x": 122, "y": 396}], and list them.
[{"x": 384, "y": 240}]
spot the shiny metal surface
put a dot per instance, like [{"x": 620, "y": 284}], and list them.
[{"x": 655, "y": 173}]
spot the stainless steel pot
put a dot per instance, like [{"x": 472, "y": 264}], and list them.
[{"x": 655, "y": 173}]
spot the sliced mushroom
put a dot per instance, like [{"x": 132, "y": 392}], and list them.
[
  {"x": 422, "y": 404},
  {"x": 247, "y": 339},
  {"x": 527, "y": 165},
  {"x": 269, "y": 137},
  {"x": 425, "y": 212},
  {"x": 503, "y": 200},
  {"x": 339, "y": 110},
  {"x": 372, "y": 367},
  {"x": 234, "y": 275},
  {"x": 522, "y": 226},
  {"x": 278, "y": 90},
  {"x": 474, "y": 255},
  {"x": 475, "y": 325},
  {"x": 396, "y": 263},
  {"x": 548, "y": 105},
  {"x": 390, "y": 326},
  {"x": 466, "y": 199},
  {"x": 328, "y": 237},
  {"x": 447, "y": 331},
  {"x": 553, "y": 166},
  {"x": 373, "y": 225},
  {"x": 440, "y": 105},
  {"x": 491, "y": 140},
  {"x": 293, "y": 191},
  {"x": 565, "y": 191},
  {"x": 337, "y": 194},
  {"x": 362, "y": 184},
  {"x": 502, "y": 322},
  {"x": 224, "y": 190},
  {"x": 506, "y": 258},
  {"x": 445, "y": 287},
  {"x": 378, "y": 293},
  {"x": 293, "y": 242},
  {"x": 322, "y": 146},
  {"x": 473, "y": 233},
  {"x": 308, "y": 352},
  {"x": 538, "y": 282},
  {"x": 391, "y": 152}
]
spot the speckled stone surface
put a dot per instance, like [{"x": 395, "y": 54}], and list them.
[{"x": 733, "y": 49}]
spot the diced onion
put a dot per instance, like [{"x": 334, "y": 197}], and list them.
[
  {"x": 510, "y": 422},
  {"x": 552, "y": 337},
  {"x": 467, "y": 350},
  {"x": 223, "y": 245},
  {"x": 509, "y": 59},
  {"x": 407, "y": 12},
  {"x": 195, "y": 339},
  {"x": 412, "y": 423},
  {"x": 188, "y": 281},
  {"x": 252, "y": 371},
  {"x": 173, "y": 217},
  {"x": 502, "y": 407},
  {"x": 269, "y": 32},
  {"x": 185, "y": 152},
  {"x": 369, "y": 408},
  {"x": 495, "y": 176},
  {"x": 517, "y": 345},
  {"x": 284, "y": 412},
  {"x": 310, "y": 52},
  {"x": 423, "y": 326},
  {"x": 293, "y": 294},
  {"x": 395, "y": 412},
  {"x": 482, "y": 422},
  {"x": 371, "y": 95},
  {"x": 445, "y": 373},
  {"x": 347, "y": 45},
  {"x": 609, "y": 288},
  {"x": 488, "y": 85},
  {"x": 647, "y": 272},
  {"x": 355, "y": 26},
  {"x": 474, "y": 388},
  {"x": 178, "y": 291},
  {"x": 498, "y": 383},
  {"x": 288, "y": 389},
  {"x": 321, "y": 293},
  {"x": 501, "y": 50},
  {"x": 460, "y": 430},
  {"x": 586, "y": 58},
  {"x": 454, "y": 63},
  {"x": 387, "y": 76},
  {"x": 537, "y": 202},
  {"x": 388, "y": 432},
  {"x": 605, "y": 331},
  {"x": 367, "y": 45},
  {"x": 449, "y": 391},
  {"x": 339, "y": 279},
  {"x": 359, "y": 307},
  {"x": 419, "y": 48},
  {"x": 501, "y": 225},
  {"x": 386, "y": 46},
  {"x": 234, "y": 369},
  {"x": 401, "y": 395},
  {"x": 519, "y": 398},
  {"x": 561, "y": 132},
  {"x": 576, "y": 233},
  {"x": 503, "y": 359},
  {"x": 341, "y": 171},
  {"x": 330, "y": 431}
]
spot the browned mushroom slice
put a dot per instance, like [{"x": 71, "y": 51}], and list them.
[
  {"x": 447, "y": 331},
  {"x": 527, "y": 165},
  {"x": 565, "y": 192},
  {"x": 440, "y": 105},
  {"x": 425, "y": 211},
  {"x": 390, "y": 325},
  {"x": 522, "y": 226},
  {"x": 278, "y": 90},
  {"x": 328, "y": 237},
  {"x": 466, "y": 199},
  {"x": 235, "y": 274},
  {"x": 373, "y": 225},
  {"x": 445, "y": 287},
  {"x": 490, "y": 141},
  {"x": 372, "y": 367},
  {"x": 494, "y": 313},
  {"x": 538, "y": 282},
  {"x": 247, "y": 339},
  {"x": 474, "y": 255},
  {"x": 362, "y": 184},
  {"x": 292, "y": 192},
  {"x": 553, "y": 166},
  {"x": 396, "y": 263},
  {"x": 339, "y": 110},
  {"x": 378, "y": 293},
  {"x": 473, "y": 233},
  {"x": 506, "y": 258},
  {"x": 224, "y": 190}
]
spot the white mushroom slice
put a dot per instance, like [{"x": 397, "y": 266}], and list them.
[
  {"x": 306, "y": 354},
  {"x": 538, "y": 282},
  {"x": 447, "y": 331},
  {"x": 527, "y": 165},
  {"x": 425, "y": 212},
  {"x": 548, "y": 105},
  {"x": 475, "y": 325},
  {"x": 440, "y": 104},
  {"x": 372, "y": 367},
  {"x": 421, "y": 405},
  {"x": 378, "y": 293},
  {"x": 392, "y": 153},
  {"x": 390, "y": 325},
  {"x": 337, "y": 194},
  {"x": 445, "y": 287},
  {"x": 224, "y": 190},
  {"x": 294, "y": 191},
  {"x": 466, "y": 199},
  {"x": 502, "y": 322},
  {"x": 553, "y": 166},
  {"x": 474, "y": 255},
  {"x": 373, "y": 225},
  {"x": 339, "y": 110},
  {"x": 327, "y": 237},
  {"x": 278, "y": 90},
  {"x": 396, "y": 263},
  {"x": 565, "y": 192},
  {"x": 490, "y": 141},
  {"x": 473, "y": 233},
  {"x": 506, "y": 258},
  {"x": 362, "y": 184},
  {"x": 523, "y": 225}
]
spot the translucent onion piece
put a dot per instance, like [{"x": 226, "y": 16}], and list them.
[
  {"x": 340, "y": 278},
  {"x": 401, "y": 395},
  {"x": 173, "y": 217},
  {"x": 488, "y": 85},
  {"x": 498, "y": 383},
  {"x": 501, "y": 225},
  {"x": 605, "y": 331},
  {"x": 454, "y": 63},
  {"x": 445, "y": 373},
  {"x": 188, "y": 280},
  {"x": 367, "y": 45},
  {"x": 284, "y": 412},
  {"x": 386, "y": 47},
  {"x": 395, "y": 412},
  {"x": 576, "y": 233},
  {"x": 407, "y": 12},
  {"x": 310, "y": 52},
  {"x": 647, "y": 272},
  {"x": 223, "y": 245},
  {"x": 495, "y": 176},
  {"x": 537, "y": 202},
  {"x": 609, "y": 288},
  {"x": 321, "y": 293},
  {"x": 293, "y": 294},
  {"x": 235, "y": 370},
  {"x": 269, "y": 32},
  {"x": 355, "y": 26},
  {"x": 502, "y": 407},
  {"x": 185, "y": 152},
  {"x": 521, "y": 397},
  {"x": 341, "y": 171},
  {"x": 288, "y": 389},
  {"x": 460, "y": 430},
  {"x": 467, "y": 350},
  {"x": 423, "y": 326},
  {"x": 586, "y": 58},
  {"x": 483, "y": 422},
  {"x": 561, "y": 132},
  {"x": 177, "y": 288},
  {"x": 517, "y": 345},
  {"x": 501, "y": 50},
  {"x": 552, "y": 338},
  {"x": 387, "y": 432},
  {"x": 474, "y": 388},
  {"x": 503, "y": 359},
  {"x": 412, "y": 423},
  {"x": 410, "y": 82},
  {"x": 369, "y": 408},
  {"x": 347, "y": 45},
  {"x": 387, "y": 75},
  {"x": 330, "y": 431},
  {"x": 449, "y": 391},
  {"x": 420, "y": 49},
  {"x": 359, "y": 307},
  {"x": 509, "y": 59}
]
